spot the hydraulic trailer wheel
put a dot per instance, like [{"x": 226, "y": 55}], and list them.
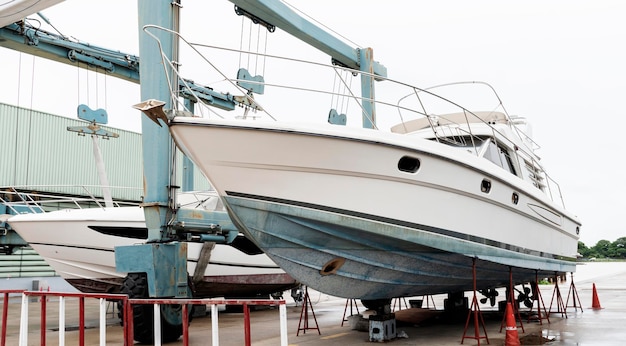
[{"x": 135, "y": 285}]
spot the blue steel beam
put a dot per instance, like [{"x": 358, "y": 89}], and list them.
[
  {"x": 41, "y": 43},
  {"x": 156, "y": 140},
  {"x": 367, "y": 88},
  {"x": 37, "y": 42},
  {"x": 278, "y": 14},
  {"x": 273, "y": 13},
  {"x": 30, "y": 40},
  {"x": 164, "y": 263}
]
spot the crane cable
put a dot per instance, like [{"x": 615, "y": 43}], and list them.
[
  {"x": 257, "y": 52},
  {"x": 30, "y": 115}
]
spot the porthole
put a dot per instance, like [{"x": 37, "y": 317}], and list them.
[
  {"x": 577, "y": 230},
  {"x": 485, "y": 186},
  {"x": 332, "y": 266},
  {"x": 408, "y": 164},
  {"x": 515, "y": 198}
]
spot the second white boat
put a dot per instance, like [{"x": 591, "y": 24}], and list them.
[{"x": 79, "y": 245}]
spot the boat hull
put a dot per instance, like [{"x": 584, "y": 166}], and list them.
[
  {"x": 356, "y": 257},
  {"x": 311, "y": 197},
  {"x": 73, "y": 244}
]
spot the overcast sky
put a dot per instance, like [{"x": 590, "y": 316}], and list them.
[{"x": 560, "y": 64}]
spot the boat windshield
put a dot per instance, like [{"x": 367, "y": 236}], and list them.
[
  {"x": 471, "y": 144},
  {"x": 483, "y": 147},
  {"x": 499, "y": 154}
]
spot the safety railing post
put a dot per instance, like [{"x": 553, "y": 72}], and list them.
[
  {"x": 61, "y": 321},
  {"x": 103, "y": 322},
  {"x": 128, "y": 322},
  {"x": 185, "y": 326},
  {"x": 42, "y": 331},
  {"x": 246, "y": 324},
  {"x": 24, "y": 321},
  {"x": 81, "y": 321},
  {"x": 282, "y": 308},
  {"x": 157, "y": 324},
  {"x": 124, "y": 311},
  {"x": 215, "y": 334},
  {"x": 5, "y": 312}
]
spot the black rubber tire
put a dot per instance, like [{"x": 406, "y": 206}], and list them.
[{"x": 135, "y": 285}]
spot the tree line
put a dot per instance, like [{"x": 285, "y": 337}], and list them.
[{"x": 604, "y": 249}]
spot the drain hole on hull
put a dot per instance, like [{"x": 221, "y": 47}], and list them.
[{"x": 332, "y": 266}]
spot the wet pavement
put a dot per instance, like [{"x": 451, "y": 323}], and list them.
[{"x": 586, "y": 326}]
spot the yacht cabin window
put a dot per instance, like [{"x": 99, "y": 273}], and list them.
[
  {"x": 487, "y": 147},
  {"x": 500, "y": 155}
]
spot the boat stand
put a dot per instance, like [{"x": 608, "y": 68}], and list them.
[
  {"x": 540, "y": 303},
  {"x": 560, "y": 305},
  {"x": 382, "y": 325},
  {"x": 304, "y": 314},
  {"x": 399, "y": 301},
  {"x": 428, "y": 299},
  {"x": 575, "y": 297},
  {"x": 475, "y": 312},
  {"x": 352, "y": 303},
  {"x": 514, "y": 304}
]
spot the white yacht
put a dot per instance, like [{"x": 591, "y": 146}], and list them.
[
  {"x": 390, "y": 194},
  {"x": 79, "y": 245}
]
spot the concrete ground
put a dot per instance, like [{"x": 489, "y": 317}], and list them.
[{"x": 586, "y": 326}]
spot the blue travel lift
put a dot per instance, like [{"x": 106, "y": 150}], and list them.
[
  {"x": 158, "y": 268},
  {"x": 164, "y": 257}
]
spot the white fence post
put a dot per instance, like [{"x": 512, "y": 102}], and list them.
[
  {"x": 282, "y": 308},
  {"x": 24, "y": 321},
  {"x": 61, "y": 321},
  {"x": 103, "y": 322},
  {"x": 157, "y": 325},
  {"x": 215, "y": 336}
]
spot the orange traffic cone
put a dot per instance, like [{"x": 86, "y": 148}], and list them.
[
  {"x": 595, "y": 303},
  {"x": 512, "y": 338}
]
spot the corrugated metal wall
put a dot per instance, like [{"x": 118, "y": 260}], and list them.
[
  {"x": 25, "y": 262},
  {"x": 37, "y": 150}
]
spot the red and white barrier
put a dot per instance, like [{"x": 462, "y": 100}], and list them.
[
  {"x": 246, "y": 303},
  {"x": 44, "y": 296},
  {"x": 128, "y": 318},
  {"x": 5, "y": 313}
]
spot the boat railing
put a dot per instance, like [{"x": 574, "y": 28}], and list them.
[
  {"x": 460, "y": 134},
  {"x": 43, "y": 198},
  {"x": 330, "y": 96},
  {"x": 456, "y": 129}
]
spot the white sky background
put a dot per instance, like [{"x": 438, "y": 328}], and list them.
[{"x": 561, "y": 64}]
